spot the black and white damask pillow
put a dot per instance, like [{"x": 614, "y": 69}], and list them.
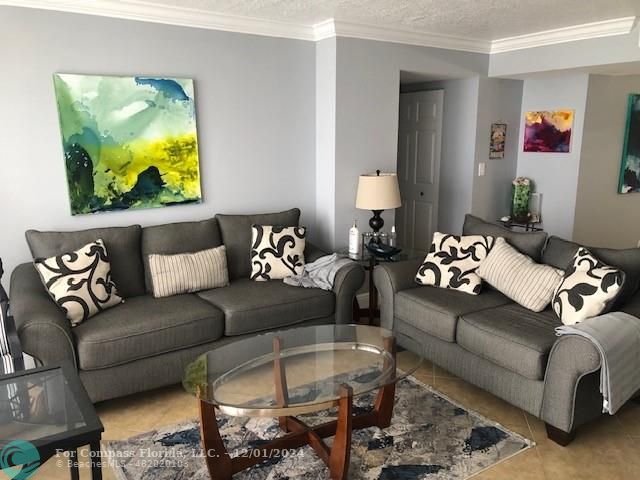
[
  {"x": 452, "y": 262},
  {"x": 276, "y": 252},
  {"x": 80, "y": 281},
  {"x": 588, "y": 289}
]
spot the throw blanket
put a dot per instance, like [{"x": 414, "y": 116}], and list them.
[
  {"x": 319, "y": 274},
  {"x": 616, "y": 335}
]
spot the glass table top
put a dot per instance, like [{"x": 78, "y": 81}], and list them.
[
  {"x": 38, "y": 405},
  {"x": 250, "y": 378}
]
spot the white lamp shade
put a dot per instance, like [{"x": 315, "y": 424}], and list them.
[{"x": 378, "y": 192}]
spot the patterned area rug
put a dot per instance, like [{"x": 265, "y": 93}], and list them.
[{"x": 430, "y": 437}]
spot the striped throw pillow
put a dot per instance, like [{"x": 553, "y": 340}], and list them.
[
  {"x": 518, "y": 277},
  {"x": 188, "y": 272}
]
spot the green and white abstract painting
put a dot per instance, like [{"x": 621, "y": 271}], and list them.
[{"x": 129, "y": 142}]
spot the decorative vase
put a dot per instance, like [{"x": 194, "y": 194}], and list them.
[{"x": 521, "y": 193}]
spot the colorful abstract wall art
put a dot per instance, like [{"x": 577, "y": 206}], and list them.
[
  {"x": 498, "y": 137},
  {"x": 548, "y": 131},
  {"x": 129, "y": 142},
  {"x": 630, "y": 169}
]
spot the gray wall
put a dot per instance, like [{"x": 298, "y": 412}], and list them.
[
  {"x": 555, "y": 175},
  {"x": 367, "y": 93},
  {"x": 256, "y": 116},
  {"x": 578, "y": 54},
  {"x": 326, "y": 142},
  {"x": 499, "y": 101},
  {"x": 604, "y": 217}
]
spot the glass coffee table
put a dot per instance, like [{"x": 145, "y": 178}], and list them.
[{"x": 292, "y": 372}]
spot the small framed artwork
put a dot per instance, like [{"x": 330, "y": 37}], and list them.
[
  {"x": 548, "y": 131},
  {"x": 630, "y": 168},
  {"x": 498, "y": 137}
]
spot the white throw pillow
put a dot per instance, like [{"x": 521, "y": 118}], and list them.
[
  {"x": 452, "y": 262},
  {"x": 276, "y": 252},
  {"x": 588, "y": 288},
  {"x": 188, "y": 272},
  {"x": 518, "y": 277},
  {"x": 80, "y": 281}
]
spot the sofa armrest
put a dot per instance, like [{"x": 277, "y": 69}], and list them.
[
  {"x": 348, "y": 281},
  {"x": 312, "y": 252},
  {"x": 42, "y": 326},
  {"x": 571, "y": 394},
  {"x": 391, "y": 278}
]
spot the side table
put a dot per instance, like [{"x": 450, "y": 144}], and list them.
[
  {"x": 45, "y": 411},
  {"x": 369, "y": 262}
]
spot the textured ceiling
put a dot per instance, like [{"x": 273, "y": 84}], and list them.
[{"x": 481, "y": 19}]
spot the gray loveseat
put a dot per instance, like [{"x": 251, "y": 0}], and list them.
[
  {"x": 500, "y": 346},
  {"x": 145, "y": 343}
]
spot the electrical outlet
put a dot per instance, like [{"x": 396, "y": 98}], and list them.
[
  {"x": 638, "y": 243},
  {"x": 481, "y": 169}
]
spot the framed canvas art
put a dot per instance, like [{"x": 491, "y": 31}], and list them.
[
  {"x": 548, "y": 131},
  {"x": 129, "y": 142},
  {"x": 498, "y": 137},
  {"x": 630, "y": 168}
]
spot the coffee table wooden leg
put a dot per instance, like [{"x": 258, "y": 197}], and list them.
[
  {"x": 215, "y": 453},
  {"x": 341, "y": 448},
  {"x": 387, "y": 394},
  {"x": 282, "y": 391}
]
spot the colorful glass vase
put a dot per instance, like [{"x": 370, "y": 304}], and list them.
[{"x": 521, "y": 193}]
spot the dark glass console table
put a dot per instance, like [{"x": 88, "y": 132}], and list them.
[
  {"x": 43, "y": 412},
  {"x": 369, "y": 262}
]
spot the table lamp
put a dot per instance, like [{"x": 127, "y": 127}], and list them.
[{"x": 378, "y": 192}]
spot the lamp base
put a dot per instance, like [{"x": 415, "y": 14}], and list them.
[{"x": 376, "y": 222}]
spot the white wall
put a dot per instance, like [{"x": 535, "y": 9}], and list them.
[
  {"x": 255, "y": 100},
  {"x": 603, "y": 216},
  {"x": 499, "y": 101},
  {"x": 555, "y": 175}
]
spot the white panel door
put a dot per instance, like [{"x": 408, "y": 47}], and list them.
[{"x": 419, "y": 145}]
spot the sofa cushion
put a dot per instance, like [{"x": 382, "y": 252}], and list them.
[
  {"x": 510, "y": 336},
  {"x": 122, "y": 243},
  {"x": 560, "y": 253},
  {"x": 145, "y": 326},
  {"x": 250, "y": 306},
  {"x": 182, "y": 237},
  {"x": 436, "y": 311},
  {"x": 236, "y": 235},
  {"x": 276, "y": 252},
  {"x": 529, "y": 243}
]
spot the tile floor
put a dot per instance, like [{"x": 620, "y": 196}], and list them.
[{"x": 607, "y": 449}]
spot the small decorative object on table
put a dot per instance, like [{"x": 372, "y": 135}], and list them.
[
  {"x": 521, "y": 193},
  {"x": 386, "y": 252}
]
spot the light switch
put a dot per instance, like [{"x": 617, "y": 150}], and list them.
[{"x": 481, "y": 169}]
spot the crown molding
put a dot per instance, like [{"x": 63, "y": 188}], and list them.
[
  {"x": 172, "y": 15},
  {"x": 585, "y": 31},
  {"x": 393, "y": 35},
  {"x": 146, "y": 11}
]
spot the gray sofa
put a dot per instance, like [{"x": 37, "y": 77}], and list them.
[
  {"x": 146, "y": 343},
  {"x": 500, "y": 346}
]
